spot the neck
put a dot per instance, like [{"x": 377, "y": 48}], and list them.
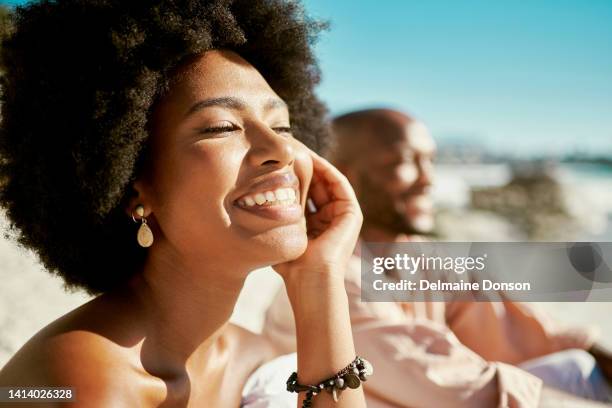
[
  {"x": 373, "y": 233},
  {"x": 187, "y": 305}
]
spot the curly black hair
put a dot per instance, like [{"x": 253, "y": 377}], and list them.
[{"x": 80, "y": 81}]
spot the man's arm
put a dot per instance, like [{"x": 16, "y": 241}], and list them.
[
  {"x": 514, "y": 332},
  {"x": 420, "y": 363}
]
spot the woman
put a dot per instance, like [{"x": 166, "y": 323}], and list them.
[{"x": 175, "y": 115}]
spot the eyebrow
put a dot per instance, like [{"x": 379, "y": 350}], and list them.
[{"x": 229, "y": 102}]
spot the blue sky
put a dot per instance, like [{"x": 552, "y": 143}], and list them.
[
  {"x": 516, "y": 76},
  {"x": 525, "y": 77}
]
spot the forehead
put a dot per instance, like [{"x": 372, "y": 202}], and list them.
[
  {"x": 418, "y": 138},
  {"x": 407, "y": 140},
  {"x": 219, "y": 73}
]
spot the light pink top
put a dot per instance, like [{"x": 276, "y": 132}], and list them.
[{"x": 435, "y": 354}]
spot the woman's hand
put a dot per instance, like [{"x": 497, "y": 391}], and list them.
[
  {"x": 333, "y": 230},
  {"x": 315, "y": 284}
]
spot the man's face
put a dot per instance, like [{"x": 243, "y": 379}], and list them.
[{"x": 394, "y": 179}]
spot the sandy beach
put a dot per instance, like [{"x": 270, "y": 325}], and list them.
[{"x": 30, "y": 298}]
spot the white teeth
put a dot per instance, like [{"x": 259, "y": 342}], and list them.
[
  {"x": 270, "y": 196},
  {"x": 260, "y": 198},
  {"x": 282, "y": 196}
]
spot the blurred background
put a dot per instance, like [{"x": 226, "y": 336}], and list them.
[{"x": 517, "y": 95}]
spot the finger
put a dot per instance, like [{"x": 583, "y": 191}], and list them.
[
  {"x": 333, "y": 214},
  {"x": 337, "y": 183},
  {"x": 315, "y": 222},
  {"x": 324, "y": 214},
  {"x": 319, "y": 192}
]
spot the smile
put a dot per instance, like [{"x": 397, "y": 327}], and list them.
[
  {"x": 280, "y": 197},
  {"x": 275, "y": 196}
]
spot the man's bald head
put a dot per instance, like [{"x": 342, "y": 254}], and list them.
[
  {"x": 386, "y": 154},
  {"x": 354, "y": 132}
]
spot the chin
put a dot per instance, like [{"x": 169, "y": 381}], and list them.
[
  {"x": 423, "y": 224},
  {"x": 293, "y": 249},
  {"x": 276, "y": 247}
]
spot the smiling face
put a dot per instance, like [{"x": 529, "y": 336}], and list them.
[
  {"x": 226, "y": 180},
  {"x": 394, "y": 178}
]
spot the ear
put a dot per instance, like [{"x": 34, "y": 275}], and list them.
[{"x": 138, "y": 196}]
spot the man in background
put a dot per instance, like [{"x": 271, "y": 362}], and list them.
[{"x": 436, "y": 354}]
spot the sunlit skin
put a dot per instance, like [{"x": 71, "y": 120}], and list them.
[
  {"x": 219, "y": 135},
  {"x": 393, "y": 180}
]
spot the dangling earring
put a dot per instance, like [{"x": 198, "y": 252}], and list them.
[{"x": 144, "y": 235}]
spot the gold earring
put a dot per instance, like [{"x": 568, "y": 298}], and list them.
[{"x": 144, "y": 235}]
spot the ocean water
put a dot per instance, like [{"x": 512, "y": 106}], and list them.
[{"x": 589, "y": 171}]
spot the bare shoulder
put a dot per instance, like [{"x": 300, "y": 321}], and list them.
[
  {"x": 71, "y": 352},
  {"x": 84, "y": 361}
]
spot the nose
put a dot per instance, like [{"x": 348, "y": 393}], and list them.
[{"x": 268, "y": 148}]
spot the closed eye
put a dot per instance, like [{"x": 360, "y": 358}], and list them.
[
  {"x": 225, "y": 127},
  {"x": 282, "y": 130},
  {"x": 216, "y": 129}
]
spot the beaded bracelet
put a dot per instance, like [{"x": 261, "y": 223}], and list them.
[{"x": 350, "y": 376}]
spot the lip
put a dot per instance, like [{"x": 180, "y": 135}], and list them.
[
  {"x": 272, "y": 182},
  {"x": 285, "y": 213}
]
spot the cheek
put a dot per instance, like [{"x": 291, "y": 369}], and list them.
[
  {"x": 192, "y": 188},
  {"x": 406, "y": 173}
]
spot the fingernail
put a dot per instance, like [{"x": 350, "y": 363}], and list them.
[{"x": 311, "y": 207}]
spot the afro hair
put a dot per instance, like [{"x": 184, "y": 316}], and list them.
[{"x": 79, "y": 82}]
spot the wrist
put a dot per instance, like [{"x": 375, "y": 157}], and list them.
[
  {"x": 313, "y": 292},
  {"x": 300, "y": 279}
]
